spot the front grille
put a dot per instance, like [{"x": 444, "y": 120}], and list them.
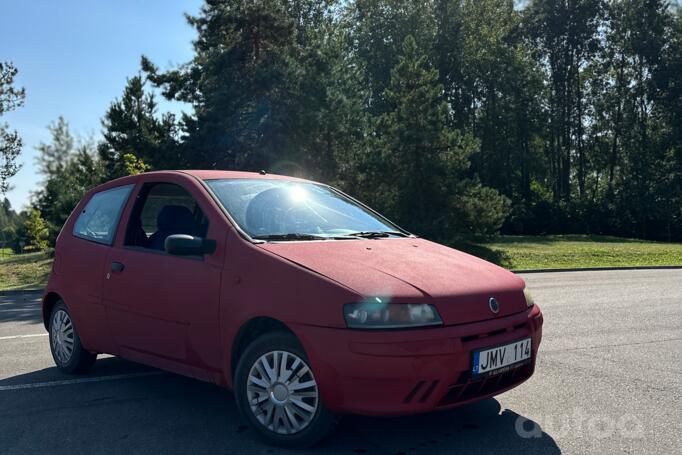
[
  {"x": 468, "y": 387},
  {"x": 477, "y": 336}
]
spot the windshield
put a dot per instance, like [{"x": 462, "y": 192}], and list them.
[{"x": 289, "y": 210}]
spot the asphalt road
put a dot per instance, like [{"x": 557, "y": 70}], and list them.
[{"x": 608, "y": 380}]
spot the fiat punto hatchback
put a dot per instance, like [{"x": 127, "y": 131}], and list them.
[{"x": 305, "y": 302}]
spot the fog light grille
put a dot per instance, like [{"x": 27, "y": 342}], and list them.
[
  {"x": 421, "y": 391},
  {"x": 468, "y": 387}
]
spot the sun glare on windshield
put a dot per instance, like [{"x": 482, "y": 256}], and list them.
[{"x": 298, "y": 194}]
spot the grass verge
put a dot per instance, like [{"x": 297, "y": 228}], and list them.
[
  {"x": 574, "y": 251},
  {"x": 24, "y": 271}
]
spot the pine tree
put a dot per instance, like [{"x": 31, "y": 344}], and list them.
[
  {"x": 249, "y": 82},
  {"x": 53, "y": 157},
  {"x": 11, "y": 98},
  {"x": 133, "y": 129},
  {"x": 379, "y": 29},
  {"x": 71, "y": 168},
  {"x": 421, "y": 161}
]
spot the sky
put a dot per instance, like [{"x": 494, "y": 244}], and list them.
[{"x": 74, "y": 57}]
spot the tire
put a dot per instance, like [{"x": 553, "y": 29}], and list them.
[
  {"x": 287, "y": 411},
  {"x": 67, "y": 351}
]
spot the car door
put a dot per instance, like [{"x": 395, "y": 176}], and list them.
[
  {"x": 163, "y": 309},
  {"x": 82, "y": 249}
]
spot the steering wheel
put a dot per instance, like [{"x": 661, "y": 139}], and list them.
[{"x": 273, "y": 211}]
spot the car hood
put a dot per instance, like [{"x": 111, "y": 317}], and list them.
[{"x": 411, "y": 270}]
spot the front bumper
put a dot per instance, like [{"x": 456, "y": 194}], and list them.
[{"x": 412, "y": 371}]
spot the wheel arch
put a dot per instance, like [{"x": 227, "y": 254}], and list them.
[
  {"x": 49, "y": 301},
  {"x": 249, "y": 331}
]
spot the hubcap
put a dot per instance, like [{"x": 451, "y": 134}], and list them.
[
  {"x": 279, "y": 393},
  {"x": 282, "y": 392},
  {"x": 62, "y": 336}
]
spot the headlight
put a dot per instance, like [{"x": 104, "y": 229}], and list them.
[
  {"x": 370, "y": 315},
  {"x": 529, "y": 298}
]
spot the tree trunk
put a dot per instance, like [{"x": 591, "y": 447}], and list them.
[
  {"x": 616, "y": 128},
  {"x": 581, "y": 155}
]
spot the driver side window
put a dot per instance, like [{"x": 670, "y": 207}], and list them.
[{"x": 162, "y": 210}]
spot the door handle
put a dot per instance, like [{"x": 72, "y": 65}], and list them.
[{"x": 117, "y": 267}]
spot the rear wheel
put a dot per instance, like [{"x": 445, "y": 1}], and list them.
[
  {"x": 276, "y": 391},
  {"x": 67, "y": 351}
]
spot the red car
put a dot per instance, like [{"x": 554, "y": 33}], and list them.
[{"x": 305, "y": 302}]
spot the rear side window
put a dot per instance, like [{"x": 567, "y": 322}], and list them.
[{"x": 98, "y": 221}]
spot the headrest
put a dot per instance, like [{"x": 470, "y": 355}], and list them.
[{"x": 175, "y": 217}]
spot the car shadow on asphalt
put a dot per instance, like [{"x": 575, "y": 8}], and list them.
[
  {"x": 166, "y": 413},
  {"x": 24, "y": 307},
  {"x": 482, "y": 427}
]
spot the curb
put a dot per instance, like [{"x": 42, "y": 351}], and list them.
[{"x": 602, "y": 269}]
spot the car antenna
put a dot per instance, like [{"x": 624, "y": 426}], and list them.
[{"x": 262, "y": 172}]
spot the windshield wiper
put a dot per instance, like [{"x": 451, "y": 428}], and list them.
[
  {"x": 291, "y": 236},
  {"x": 353, "y": 235},
  {"x": 376, "y": 234}
]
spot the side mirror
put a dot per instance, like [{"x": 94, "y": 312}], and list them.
[{"x": 188, "y": 245}]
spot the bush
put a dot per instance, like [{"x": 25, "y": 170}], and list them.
[{"x": 480, "y": 212}]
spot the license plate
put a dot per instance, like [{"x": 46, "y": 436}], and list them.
[{"x": 490, "y": 360}]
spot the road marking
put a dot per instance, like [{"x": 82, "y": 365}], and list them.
[
  {"x": 19, "y": 310},
  {"x": 14, "y": 337},
  {"x": 116, "y": 377}
]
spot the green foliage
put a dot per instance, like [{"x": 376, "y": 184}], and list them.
[
  {"x": 133, "y": 165},
  {"x": 482, "y": 211},
  {"x": 36, "y": 230},
  {"x": 418, "y": 161},
  {"x": 53, "y": 157},
  {"x": 136, "y": 139},
  {"x": 10, "y": 226},
  {"x": 253, "y": 84},
  {"x": 457, "y": 118},
  {"x": 70, "y": 168},
  {"x": 11, "y": 98}
]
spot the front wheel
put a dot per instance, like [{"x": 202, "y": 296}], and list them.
[
  {"x": 277, "y": 393},
  {"x": 67, "y": 351}
]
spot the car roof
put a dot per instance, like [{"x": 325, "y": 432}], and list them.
[
  {"x": 213, "y": 175},
  {"x": 199, "y": 174}
]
